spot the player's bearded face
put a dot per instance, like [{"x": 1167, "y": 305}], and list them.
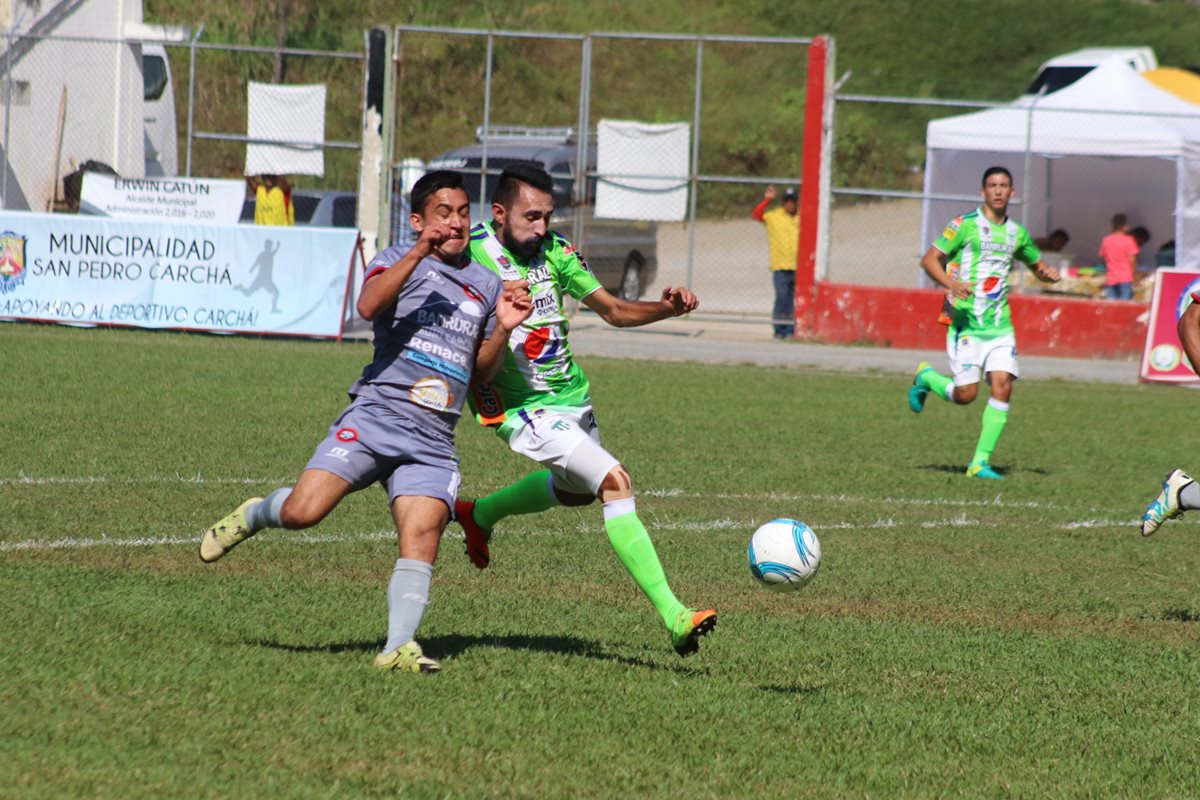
[{"x": 526, "y": 222}]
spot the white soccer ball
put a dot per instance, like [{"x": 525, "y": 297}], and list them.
[{"x": 784, "y": 554}]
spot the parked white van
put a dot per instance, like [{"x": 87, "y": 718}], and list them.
[
  {"x": 1061, "y": 71},
  {"x": 158, "y": 113}
]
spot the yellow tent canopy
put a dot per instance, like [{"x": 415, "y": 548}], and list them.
[{"x": 1179, "y": 82}]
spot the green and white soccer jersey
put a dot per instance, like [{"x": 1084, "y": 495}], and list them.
[
  {"x": 984, "y": 254},
  {"x": 538, "y": 371}
]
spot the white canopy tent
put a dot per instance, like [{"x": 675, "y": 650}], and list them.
[{"x": 1109, "y": 143}]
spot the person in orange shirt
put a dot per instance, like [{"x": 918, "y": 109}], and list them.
[{"x": 783, "y": 241}]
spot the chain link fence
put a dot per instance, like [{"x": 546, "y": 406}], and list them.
[
  {"x": 476, "y": 100},
  {"x": 1112, "y": 143},
  {"x": 162, "y": 109}
]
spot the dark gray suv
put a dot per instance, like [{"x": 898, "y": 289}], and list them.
[{"x": 623, "y": 254}]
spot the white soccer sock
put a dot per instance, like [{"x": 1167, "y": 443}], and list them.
[
  {"x": 265, "y": 513},
  {"x": 1189, "y": 496},
  {"x": 619, "y": 508},
  {"x": 997, "y": 404},
  {"x": 407, "y": 594}
]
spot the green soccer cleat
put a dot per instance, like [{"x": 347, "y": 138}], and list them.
[
  {"x": 918, "y": 391},
  {"x": 689, "y": 627},
  {"x": 981, "y": 469},
  {"x": 477, "y": 537},
  {"x": 1166, "y": 505},
  {"x": 227, "y": 534},
  {"x": 407, "y": 658}
]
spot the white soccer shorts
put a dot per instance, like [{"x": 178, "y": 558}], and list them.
[
  {"x": 567, "y": 442},
  {"x": 971, "y": 358}
]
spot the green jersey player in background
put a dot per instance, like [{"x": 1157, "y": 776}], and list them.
[
  {"x": 540, "y": 403},
  {"x": 980, "y": 248}
]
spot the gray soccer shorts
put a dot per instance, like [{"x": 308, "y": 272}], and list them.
[{"x": 371, "y": 443}]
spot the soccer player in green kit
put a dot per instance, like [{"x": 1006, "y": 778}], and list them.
[
  {"x": 540, "y": 403},
  {"x": 980, "y": 248}
]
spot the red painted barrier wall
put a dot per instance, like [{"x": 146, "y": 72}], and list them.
[{"x": 1046, "y": 325}]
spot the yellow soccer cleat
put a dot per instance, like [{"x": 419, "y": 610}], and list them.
[
  {"x": 407, "y": 658},
  {"x": 227, "y": 534}
]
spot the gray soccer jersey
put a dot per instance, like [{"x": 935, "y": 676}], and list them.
[{"x": 425, "y": 344}]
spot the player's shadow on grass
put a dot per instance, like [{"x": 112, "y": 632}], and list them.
[
  {"x": 960, "y": 469},
  {"x": 455, "y": 645},
  {"x": 1178, "y": 615},
  {"x": 791, "y": 688}
]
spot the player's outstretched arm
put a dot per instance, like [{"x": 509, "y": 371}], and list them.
[
  {"x": 513, "y": 308},
  {"x": 620, "y": 313},
  {"x": 1189, "y": 334}
]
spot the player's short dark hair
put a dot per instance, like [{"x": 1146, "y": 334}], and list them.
[
  {"x": 990, "y": 171},
  {"x": 432, "y": 182},
  {"x": 526, "y": 172}
]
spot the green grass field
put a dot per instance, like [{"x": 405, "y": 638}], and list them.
[{"x": 963, "y": 638}]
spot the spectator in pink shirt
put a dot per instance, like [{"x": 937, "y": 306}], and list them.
[{"x": 1119, "y": 251}]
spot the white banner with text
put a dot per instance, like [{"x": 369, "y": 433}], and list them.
[
  {"x": 234, "y": 279},
  {"x": 200, "y": 201}
]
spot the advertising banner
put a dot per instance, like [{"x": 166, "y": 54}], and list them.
[
  {"x": 200, "y": 201},
  {"x": 83, "y": 270},
  {"x": 1163, "y": 359}
]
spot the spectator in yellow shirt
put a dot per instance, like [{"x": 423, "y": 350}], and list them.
[
  {"x": 272, "y": 200},
  {"x": 783, "y": 241}
]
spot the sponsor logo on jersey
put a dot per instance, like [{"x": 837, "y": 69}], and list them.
[
  {"x": 539, "y": 274},
  {"x": 488, "y": 405},
  {"x": 570, "y": 250},
  {"x": 473, "y": 293},
  {"x": 541, "y": 346},
  {"x": 428, "y": 318},
  {"x": 346, "y": 435},
  {"x": 425, "y": 353},
  {"x": 993, "y": 287},
  {"x": 952, "y": 228},
  {"x": 471, "y": 308},
  {"x": 544, "y": 305},
  {"x": 12, "y": 261},
  {"x": 432, "y": 392}
]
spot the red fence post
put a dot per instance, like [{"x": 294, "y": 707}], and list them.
[{"x": 810, "y": 186}]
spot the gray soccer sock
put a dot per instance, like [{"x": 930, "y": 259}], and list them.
[
  {"x": 265, "y": 513},
  {"x": 1189, "y": 496},
  {"x": 408, "y": 594}
]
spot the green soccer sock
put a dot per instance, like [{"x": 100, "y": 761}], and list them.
[
  {"x": 635, "y": 550},
  {"x": 531, "y": 494},
  {"x": 937, "y": 383},
  {"x": 995, "y": 417}
]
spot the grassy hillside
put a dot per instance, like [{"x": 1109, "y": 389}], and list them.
[{"x": 927, "y": 48}]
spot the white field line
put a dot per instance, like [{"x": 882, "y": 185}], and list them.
[
  {"x": 996, "y": 502},
  {"x": 62, "y": 480},
  {"x": 960, "y": 521}
]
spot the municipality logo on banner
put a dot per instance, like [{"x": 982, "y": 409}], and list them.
[{"x": 12, "y": 261}]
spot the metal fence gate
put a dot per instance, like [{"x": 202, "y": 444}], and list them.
[{"x": 742, "y": 99}]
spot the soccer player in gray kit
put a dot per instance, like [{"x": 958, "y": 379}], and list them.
[{"x": 438, "y": 319}]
